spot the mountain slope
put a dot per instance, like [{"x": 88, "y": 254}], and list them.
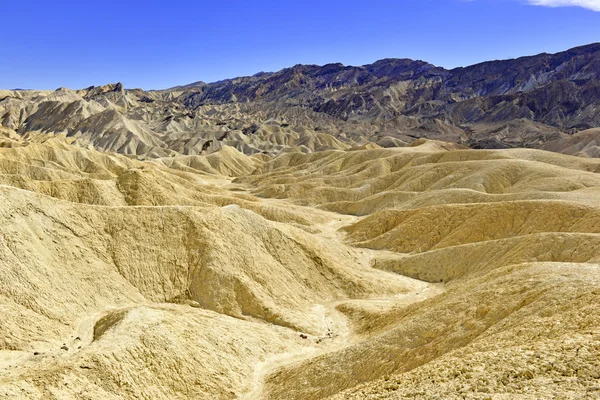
[
  {"x": 541, "y": 88},
  {"x": 525, "y": 102}
]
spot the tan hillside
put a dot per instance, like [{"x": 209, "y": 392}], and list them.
[{"x": 427, "y": 271}]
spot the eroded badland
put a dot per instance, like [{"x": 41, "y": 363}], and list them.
[
  {"x": 418, "y": 271},
  {"x": 282, "y": 261}
]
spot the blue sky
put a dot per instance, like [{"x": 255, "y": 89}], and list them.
[{"x": 159, "y": 44}]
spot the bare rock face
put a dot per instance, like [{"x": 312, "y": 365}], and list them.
[{"x": 525, "y": 102}]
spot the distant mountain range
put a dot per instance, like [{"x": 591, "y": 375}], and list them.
[{"x": 541, "y": 101}]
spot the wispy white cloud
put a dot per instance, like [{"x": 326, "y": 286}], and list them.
[{"x": 589, "y": 4}]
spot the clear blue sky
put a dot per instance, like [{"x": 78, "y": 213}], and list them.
[{"x": 159, "y": 44}]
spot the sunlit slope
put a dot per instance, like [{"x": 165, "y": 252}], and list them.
[
  {"x": 425, "y": 271},
  {"x": 365, "y": 181},
  {"x": 525, "y": 331},
  {"x": 93, "y": 286},
  {"x": 513, "y": 233},
  {"x": 438, "y": 227},
  {"x": 57, "y": 169},
  {"x": 227, "y": 259}
]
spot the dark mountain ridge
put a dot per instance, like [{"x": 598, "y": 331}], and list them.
[
  {"x": 549, "y": 88},
  {"x": 535, "y": 101}
]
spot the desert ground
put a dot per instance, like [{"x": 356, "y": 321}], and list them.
[{"x": 362, "y": 272}]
